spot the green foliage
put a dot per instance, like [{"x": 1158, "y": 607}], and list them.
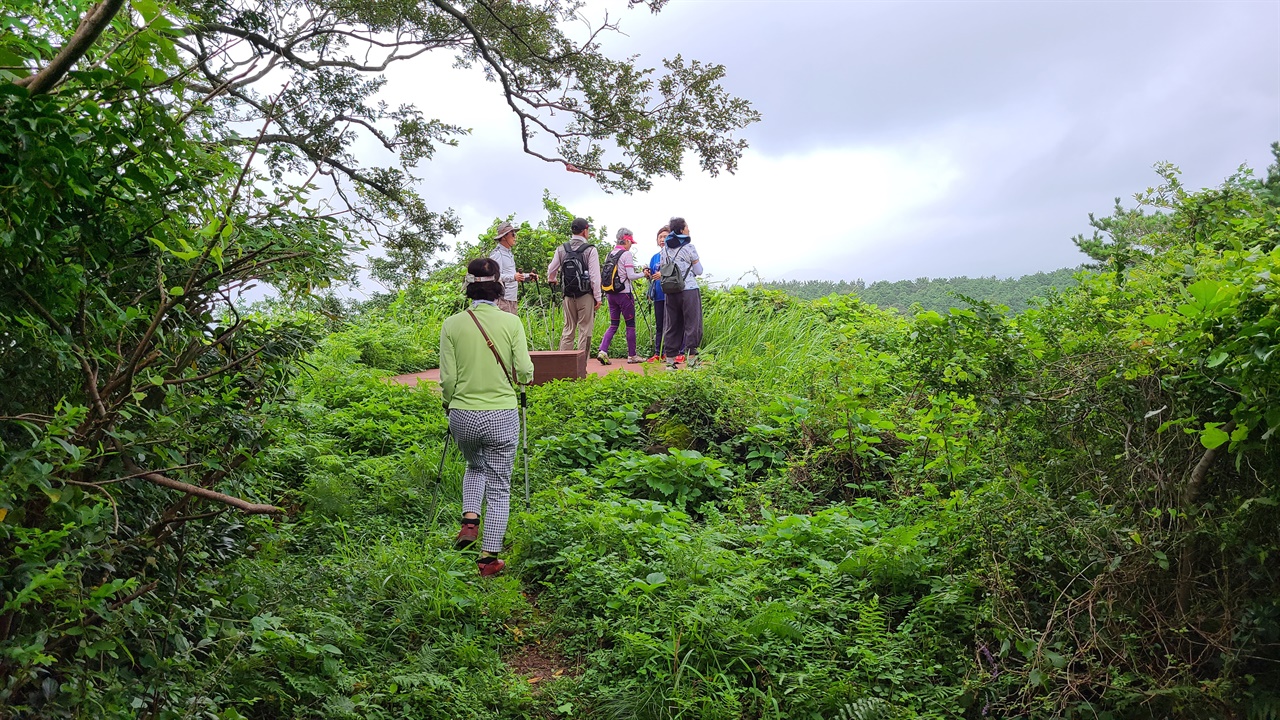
[
  {"x": 148, "y": 182},
  {"x": 937, "y": 294},
  {"x": 679, "y": 478},
  {"x": 846, "y": 513},
  {"x": 589, "y": 446}
]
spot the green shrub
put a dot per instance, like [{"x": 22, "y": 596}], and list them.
[{"x": 681, "y": 478}]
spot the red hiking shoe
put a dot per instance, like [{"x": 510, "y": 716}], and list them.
[
  {"x": 490, "y": 566},
  {"x": 467, "y": 535},
  {"x": 680, "y": 358}
]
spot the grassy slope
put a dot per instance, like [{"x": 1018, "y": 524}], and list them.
[{"x": 817, "y": 525}]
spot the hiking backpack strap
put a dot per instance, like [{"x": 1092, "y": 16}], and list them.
[
  {"x": 687, "y": 271},
  {"x": 672, "y": 259},
  {"x": 612, "y": 260},
  {"x": 496, "y": 356},
  {"x": 568, "y": 249}
]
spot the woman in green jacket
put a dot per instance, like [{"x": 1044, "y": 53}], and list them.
[{"x": 478, "y": 375}]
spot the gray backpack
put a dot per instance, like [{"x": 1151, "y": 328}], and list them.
[{"x": 672, "y": 280}]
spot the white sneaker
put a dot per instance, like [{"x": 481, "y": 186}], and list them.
[{"x": 603, "y": 357}]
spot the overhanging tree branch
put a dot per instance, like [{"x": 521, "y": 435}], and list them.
[
  {"x": 240, "y": 504},
  {"x": 91, "y": 26}
]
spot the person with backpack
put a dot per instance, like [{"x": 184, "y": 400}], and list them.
[
  {"x": 616, "y": 280},
  {"x": 511, "y": 278},
  {"x": 483, "y": 357},
  {"x": 678, "y": 268},
  {"x": 655, "y": 296},
  {"x": 576, "y": 266}
]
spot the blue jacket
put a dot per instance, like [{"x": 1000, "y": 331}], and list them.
[{"x": 655, "y": 287}]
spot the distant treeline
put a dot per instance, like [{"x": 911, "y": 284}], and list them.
[{"x": 936, "y": 293}]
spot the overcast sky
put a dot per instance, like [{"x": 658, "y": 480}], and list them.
[{"x": 902, "y": 139}]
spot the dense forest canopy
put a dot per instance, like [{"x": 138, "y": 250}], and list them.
[
  {"x": 209, "y": 510},
  {"x": 937, "y": 294}
]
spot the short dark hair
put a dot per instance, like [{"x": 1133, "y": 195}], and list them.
[
  {"x": 580, "y": 225},
  {"x": 484, "y": 267},
  {"x": 664, "y": 229},
  {"x": 677, "y": 225}
]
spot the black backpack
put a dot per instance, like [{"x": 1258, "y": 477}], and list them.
[
  {"x": 575, "y": 276},
  {"x": 609, "y": 280}
]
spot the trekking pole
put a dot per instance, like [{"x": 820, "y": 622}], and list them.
[
  {"x": 647, "y": 312},
  {"x": 546, "y": 313},
  {"x": 537, "y": 294},
  {"x": 435, "y": 497},
  {"x": 524, "y": 428}
]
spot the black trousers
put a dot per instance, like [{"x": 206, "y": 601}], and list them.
[
  {"x": 683, "y": 323},
  {"x": 659, "y": 307}
]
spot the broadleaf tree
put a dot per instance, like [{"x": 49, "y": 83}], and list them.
[{"x": 159, "y": 157}]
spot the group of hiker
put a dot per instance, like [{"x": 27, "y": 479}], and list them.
[
  {"x": 484, "y": 355},
  {"x": 586, "y": 283}
]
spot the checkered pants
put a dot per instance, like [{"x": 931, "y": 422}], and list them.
[{"x": 488, "y": 440}]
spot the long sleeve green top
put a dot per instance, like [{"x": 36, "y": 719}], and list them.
[{"x": 470, "y": 376}]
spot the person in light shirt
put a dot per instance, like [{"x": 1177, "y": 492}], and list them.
[
  {"x": 510, "y": 277},
  {"x": 683, "y": 307},
  {"x": 622, "y": 301},
  {"x": 581, "y": 290}
]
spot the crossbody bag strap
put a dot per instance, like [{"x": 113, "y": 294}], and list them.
[{"x": 493, "y": 349}]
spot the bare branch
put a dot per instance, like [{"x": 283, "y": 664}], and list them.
[
  {"x": 286, "y": 51},
  {"x": 235, "y": 502},
  {"x": 509, "y": 92},
  {"x": 205, "y": 376},
  {"x": 91, "y": 26}
]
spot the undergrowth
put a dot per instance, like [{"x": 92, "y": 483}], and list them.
[{"x": 847, "y": 513}]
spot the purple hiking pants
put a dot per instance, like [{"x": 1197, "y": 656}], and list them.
[{"x": 621, "y": 305}]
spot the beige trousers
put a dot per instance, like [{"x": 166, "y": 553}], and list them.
[
  {"x": 511, "y": 306},
  {"x": 580, "y": 317}
]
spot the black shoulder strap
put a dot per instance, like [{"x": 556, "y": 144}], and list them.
[{"x": 496, "y": 356}]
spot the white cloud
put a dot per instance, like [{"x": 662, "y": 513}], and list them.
[
  {"x": 912, "y": 151},
  {"x": 780, "y": 214}
]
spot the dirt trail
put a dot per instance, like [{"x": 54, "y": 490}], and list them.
[{"x": 593, "y": 368}]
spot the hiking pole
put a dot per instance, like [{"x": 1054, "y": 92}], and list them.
[
  {"x": 647, "y": 312},
  {"x": 537, "y": 300},
  {"x": 546, "y": 312},
  {"x": 435, "y": 497},
  {"x": 524, "y": 428}
]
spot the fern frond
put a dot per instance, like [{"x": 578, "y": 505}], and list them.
[
  {"x": 868, "y": 708},
  {"x": 778, "y": 619}
]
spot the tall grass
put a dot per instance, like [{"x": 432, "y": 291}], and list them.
[
  {"x": 774, "y": 348},
  {"x": 543, "y": 326},
  {"x": 748, "y": 342}
]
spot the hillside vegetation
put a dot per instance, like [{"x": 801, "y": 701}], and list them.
[
  {"x": 215, "y": 511},
  {"x": 937, "y": 294},
  {"x": 1065, "y": 512}
]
